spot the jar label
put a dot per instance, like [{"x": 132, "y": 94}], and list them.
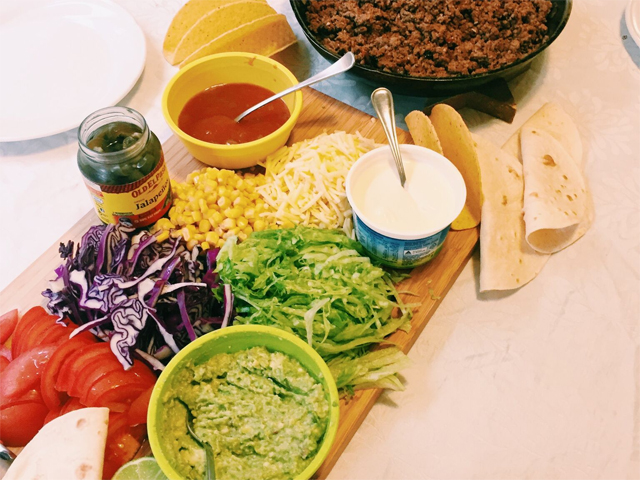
[{"x": 137, "y": 204}]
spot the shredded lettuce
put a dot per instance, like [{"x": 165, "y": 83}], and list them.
[
  {"x": 374, "y": 368},
  {"x": 319, "y": 285}
]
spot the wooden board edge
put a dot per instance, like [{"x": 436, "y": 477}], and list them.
[{"x": 365, "y": 399}]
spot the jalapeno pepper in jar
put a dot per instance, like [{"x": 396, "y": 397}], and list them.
[{"x": 123, "y": 167}]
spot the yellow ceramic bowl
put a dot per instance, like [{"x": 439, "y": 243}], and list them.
[
  {"x": 231, "y": 340},
  {"x": 234, "y": 67}
]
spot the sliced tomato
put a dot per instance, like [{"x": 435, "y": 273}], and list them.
[
  {"x": 3, "y": 363},
  {"x": 19, "y": 423},
  {"x": 45, "y": 327},
  {"x": 97, "y": 367},
  {"x": 24, "y": 372},
  {"x": 5, "y": 352},
  {"x": 119, "y": 387},
  {"x": 32, "y": 316},
  {"x": 52, "y": 398},
  {"x": 137, "y": 414},
  {"x": 8, "y": 323},
  {"x": 52, "y": 415},
  {"x": 31, "y": 396},
  {"x": 120, "y": 449},
  {"x": 75, "y": 362},
  {"x": 71, "y": 405},
  {"x": 117, "y": 425},
  {"x": 56, "y": 335}
]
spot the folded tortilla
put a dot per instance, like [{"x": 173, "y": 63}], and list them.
[
  {"x": 507, "y": 261},
  {"x": 559, "y": 136},
  {"x": 554, "y": 191},
  {"x": 71, "y": 447}
]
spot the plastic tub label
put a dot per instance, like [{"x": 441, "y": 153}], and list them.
[{"x": 399, "y": 253}]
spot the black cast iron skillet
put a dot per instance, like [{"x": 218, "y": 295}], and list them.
[{"x": 438, "y": 86}]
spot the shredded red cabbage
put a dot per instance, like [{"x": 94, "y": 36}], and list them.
[{"x": 138, "y": 294}]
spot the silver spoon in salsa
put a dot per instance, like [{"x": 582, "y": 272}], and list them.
[{"x": 345, "y": 63}]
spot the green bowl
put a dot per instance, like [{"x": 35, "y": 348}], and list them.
[{"x": 231, "y": 340}]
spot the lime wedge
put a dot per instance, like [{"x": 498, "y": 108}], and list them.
[{"x": 145, "y": 468}]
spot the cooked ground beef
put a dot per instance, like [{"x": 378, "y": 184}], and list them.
[{"x": 431, "y": 38}]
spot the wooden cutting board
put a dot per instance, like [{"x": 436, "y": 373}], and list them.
[{"x": 320, "y": 113}]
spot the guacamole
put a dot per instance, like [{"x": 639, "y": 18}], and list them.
[{"x": 264, "y": 415}]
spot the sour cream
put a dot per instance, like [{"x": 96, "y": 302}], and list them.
[
  {"x": 427, "y": 203},
  {"x": 404, "y": 227}
]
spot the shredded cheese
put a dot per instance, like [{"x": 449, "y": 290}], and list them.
[{"x": 305, "y": 183}]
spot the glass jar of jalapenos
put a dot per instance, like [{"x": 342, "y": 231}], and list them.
[{"x": 123, "y": 167}]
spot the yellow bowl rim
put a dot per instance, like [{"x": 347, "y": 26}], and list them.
[
  {"x": 334, "y": 398},
  {"x": 288, "y": 125}
]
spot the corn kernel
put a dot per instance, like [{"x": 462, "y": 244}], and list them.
[
  {"x": 249, "y": 213},
  {"x": 163, "y": 236},
  {"x": 248, "y": 230},
  {"x": 242, "y": 236},
  {"x": 223, "y": 202},
  {"x": 228, "y": 223},
  {"x": 204, "y": 225},
  {"x": 205, "y": 246},
  {"x": 259, "y": 226},
  {"x": 234, "y": 194},
  {"x": 197, "y": 216},
  {"x": 199, "y": 237},
  {"x": 216, "y": 218},
  {"x": 212, "y": 238},
  {"x": 233, "y": 212},
  {"x": 164, "y": 224},
  {"x": 192, "y": 243},
  {"x": 186, "y": 234},
  {"x": 240, "y": 202},
  {"x": 287, "y": 224},
  {"x": 220, "y": 243},
  {"x": 242, "y": 222}
]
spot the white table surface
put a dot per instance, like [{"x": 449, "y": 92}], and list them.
[{"x": 543, "y": 382}]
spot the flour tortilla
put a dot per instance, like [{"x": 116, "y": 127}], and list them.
[
  {"x": 506, "y": 259},
  {"x": 554, "y": 192},
  {"x": 552, "y": 120},
  {"x": 217, "y": 22},
  {"x": 422, "y": 131},
  {"x": 459, "y": 148},
  {"x": 186, "y": 18},
  {"x": 71, "y": 447},
  {"x": 264, "y": 36}
]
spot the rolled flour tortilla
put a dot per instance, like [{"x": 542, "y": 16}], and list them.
[
  {"x": 507, "y": 261},
  {"x": 555, "y": 196},
  {"x": 553, "y": 122},
  {"x": 71, "y": 447}
]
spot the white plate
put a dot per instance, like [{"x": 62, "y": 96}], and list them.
[
  {"x": 632, "y": 17},
  {"x": 61, "y": 60}
]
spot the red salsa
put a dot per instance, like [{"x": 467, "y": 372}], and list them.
[{"x": 209, "y": 114}]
